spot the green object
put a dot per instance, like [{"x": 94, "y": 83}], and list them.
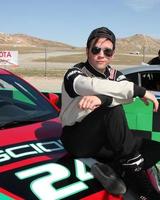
[
  {"x": 139, "y": 115},
  {"x": 156, "y": 136},
  {"x": 4, "y": 197}
]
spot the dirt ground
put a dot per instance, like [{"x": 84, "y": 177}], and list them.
[{"x": 45, "y": 83}]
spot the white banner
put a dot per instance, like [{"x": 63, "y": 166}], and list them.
[{"x": 9, "y": 58}]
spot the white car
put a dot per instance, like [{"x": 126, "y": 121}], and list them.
[{"x": 147, "y": 76}]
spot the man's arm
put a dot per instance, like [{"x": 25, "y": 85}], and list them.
[{"x": 78, "y": 84}]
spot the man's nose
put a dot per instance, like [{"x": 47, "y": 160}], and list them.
[{"x": 101, "y": 53}]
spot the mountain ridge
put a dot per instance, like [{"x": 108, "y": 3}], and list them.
[
  {"x": 139, "y": 42},
  {"x": 24, "y": 40},
  {"x": 136, "y": 42}
]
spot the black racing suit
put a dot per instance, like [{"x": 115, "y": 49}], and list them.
[{"x": 89, "y": 133}]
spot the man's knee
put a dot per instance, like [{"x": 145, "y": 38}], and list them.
[{"x": 117, "y": 112}]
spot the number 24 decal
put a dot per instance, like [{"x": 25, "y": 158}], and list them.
[{"x": 43, "y": 187}]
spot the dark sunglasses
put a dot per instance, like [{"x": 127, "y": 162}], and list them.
[{"x": 107, "y": 52}]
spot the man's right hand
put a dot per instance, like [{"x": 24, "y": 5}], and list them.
[{"x": 89, "y": 102}]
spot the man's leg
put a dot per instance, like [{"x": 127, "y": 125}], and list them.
[
  {"x": 122, "y": 141},
  {"x": 103, "y": 128}
]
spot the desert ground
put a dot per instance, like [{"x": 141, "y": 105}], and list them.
[{"x": 45, "y": 83}]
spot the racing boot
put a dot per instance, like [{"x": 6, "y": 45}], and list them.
[
  {"x": 108, "y": 178},
  {"x": 136, "y": 178}
]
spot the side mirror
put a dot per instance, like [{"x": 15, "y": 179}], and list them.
[{"x": 53, "y": 99}]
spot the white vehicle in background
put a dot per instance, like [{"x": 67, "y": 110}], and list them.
[
  {"x": 135, "y": 52},
  {"x": 145, "y": 75}
]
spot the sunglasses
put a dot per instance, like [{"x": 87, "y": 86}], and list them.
[{"x": 107, "y": 52}]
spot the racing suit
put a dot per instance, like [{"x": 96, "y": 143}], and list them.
[{"x": 87, "y": 132}]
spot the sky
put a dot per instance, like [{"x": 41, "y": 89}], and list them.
[{"x": 71, "y": 21}]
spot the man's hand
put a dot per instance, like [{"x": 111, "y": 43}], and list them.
[
  {"x": 149, "y": 96},
  {"x": 89, "y": 102}
]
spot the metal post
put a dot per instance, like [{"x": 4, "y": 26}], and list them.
[
  {"x": 45, "y": 62},
  {"x": 143, "y": 53}
]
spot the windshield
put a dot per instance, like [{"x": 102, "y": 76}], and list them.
[{"x": 21, "y": 104}]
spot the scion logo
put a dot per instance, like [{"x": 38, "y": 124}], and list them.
[{"x": 30, "y": 149}]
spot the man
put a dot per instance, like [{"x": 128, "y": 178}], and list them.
[
  {"x": 93, "y": 119},
  {"x": 156, "y": 60}
]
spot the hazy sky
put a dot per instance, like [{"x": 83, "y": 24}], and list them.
[{"x": 71, "y": 21}]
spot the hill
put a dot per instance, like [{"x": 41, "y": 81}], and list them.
[
  {"x": 136, "y": 43},
  {"x": 19, "y": 41}
]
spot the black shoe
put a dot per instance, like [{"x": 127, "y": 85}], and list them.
[
  {"x": 137, "y": 180},
  {"x": 152, "y": 196},
  {"x": 108, "y": 178},
  {"x": 141, "y": 185},
  {"x": 134, "y": 164}
]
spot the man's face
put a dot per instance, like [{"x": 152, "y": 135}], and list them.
[{"x": 100, "y": 60}]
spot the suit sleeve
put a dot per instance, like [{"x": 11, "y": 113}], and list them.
[
  {"x": 76, "y": 83},
  {"x": 92, "y": 85},
  {"x": 69, "y": 80},
  {"x": 107, "y": 100}
]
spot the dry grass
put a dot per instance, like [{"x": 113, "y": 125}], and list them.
[
  {"x": 34, "y": 72},
  {"x": 120, "y": 59}
]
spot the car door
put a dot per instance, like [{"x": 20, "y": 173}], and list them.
[
  {"x": 147, "y": 79},
  {"x": 151, "y": 80}
]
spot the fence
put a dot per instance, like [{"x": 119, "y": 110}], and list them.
[{"x": 42, "y": 63}]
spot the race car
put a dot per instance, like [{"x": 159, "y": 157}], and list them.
[{"x": 33, "y": 162}]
